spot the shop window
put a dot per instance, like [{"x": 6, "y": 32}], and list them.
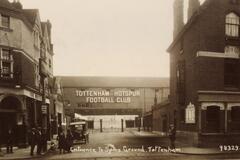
[
  {"x": 6, "y": 64},
  {"x": 5, "y": 21},
  {"x": 231, "y": 72},
  {"x": 232, "y": 25},
  {"x": 235, "y": 114}
]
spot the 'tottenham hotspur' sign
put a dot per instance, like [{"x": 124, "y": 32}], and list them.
[{"x": 103, "y": 96}]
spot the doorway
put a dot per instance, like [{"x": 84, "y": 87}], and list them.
[{"x": 213, "y": 119}]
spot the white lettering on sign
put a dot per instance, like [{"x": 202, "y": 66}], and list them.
[
  {"x": 103, "y": 96},
  {"x": 92, "y": 93}
]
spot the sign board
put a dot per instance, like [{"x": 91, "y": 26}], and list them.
[
  {"x": 44, "y": 109},
  {"x": 190, "y": 114},
  {"x": 104, "y": 96}
]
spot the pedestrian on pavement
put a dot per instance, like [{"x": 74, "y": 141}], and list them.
[
  {"x": 10, "y": 140},
  {"x": 33, "y": 140},
  {"x": 172, "y": 135},
  {"x": 61, "y": 141},
  {"x": 39, "y": 141},
  {"x": 69, "y": 140},
  {"x": 44, "y": 140}
]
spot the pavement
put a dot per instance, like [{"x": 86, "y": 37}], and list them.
[
  {"x": 185, "y": 148},
  {"x": 181, "y": 149},
  {"x": 19, "y": 153}
]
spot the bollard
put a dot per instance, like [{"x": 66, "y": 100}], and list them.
[
  {"x": 122, "y": 125},
  {"x": 101, "y": 125}
]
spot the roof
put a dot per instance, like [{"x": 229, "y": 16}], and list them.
[
  {"x": 122, "y": 82},
  {"x": 201, "y": 9},
  {"x": 165, "y": 103},
  {"x": 31, "y": 15}
]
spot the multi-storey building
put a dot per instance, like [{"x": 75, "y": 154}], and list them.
[
  {"x": 25, "y": 66},
  {"x": 205, "y": 69}
]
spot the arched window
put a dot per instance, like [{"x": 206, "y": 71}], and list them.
[{"x": 232, "y": 25}]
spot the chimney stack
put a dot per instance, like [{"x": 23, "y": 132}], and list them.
[
  {"x": 193, "y": 6},
  {"x": 178, "y": 16}
]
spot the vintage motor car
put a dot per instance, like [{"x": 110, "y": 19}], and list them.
[{"x": 80, "y": 133}]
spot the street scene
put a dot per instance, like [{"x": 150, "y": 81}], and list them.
[{"x": 122, "y": 79}]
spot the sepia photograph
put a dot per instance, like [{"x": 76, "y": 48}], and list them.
[{"x": 119, "y": 79}]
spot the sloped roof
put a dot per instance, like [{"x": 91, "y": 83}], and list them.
[
  {"x": 31, "y": 15},
  {"x": 130, "y": 82}
]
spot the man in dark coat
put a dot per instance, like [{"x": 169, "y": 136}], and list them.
[
  {"x": 39, "y": 140},
  {"x": 69, "y": 140},
  {"x": 61, "y": 142},
  {"x": 10, "y": 141},
  {"x": 33, "y": 140},
  {"x": 172, "y": 135}
]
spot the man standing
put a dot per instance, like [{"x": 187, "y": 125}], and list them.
[
  {"x": 172, "y": 135},
  {"x": 33, "y": 140},
  {"x": 39, "y": 140},
  {"x": 10, "y": 140}
]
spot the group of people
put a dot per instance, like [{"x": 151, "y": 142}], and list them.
[
  {"x": 65, "y": 142},
  {"x": 38, "y": 138}
]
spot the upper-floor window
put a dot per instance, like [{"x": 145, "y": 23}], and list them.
[
  {"x": 5, "y": 21},
  {"x": 6, "y": 63},
  {"x": 37, "y": 76},
  {"x": 181, "y": 82},
  {"x": 232, "y": 25},
  {"x": 231, "y": 74},
  {"x": 36, "y": 38},
  {"x": 50, "y": 63}
]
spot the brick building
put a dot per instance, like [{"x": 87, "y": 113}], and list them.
[
  {"x": 105, "y": 101},
  {"x": 204, "y": 69},
  {"x": 26, "y": 55}
]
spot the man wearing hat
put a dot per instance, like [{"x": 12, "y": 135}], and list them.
[{"x": 33, "y": 140}]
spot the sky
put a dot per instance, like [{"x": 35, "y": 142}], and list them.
[{"x": 109, "y": 37}]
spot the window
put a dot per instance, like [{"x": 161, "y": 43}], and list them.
[
  {"x": 235, "y": 114},
  {"x": 6, "y": 21},
  {"x": 36, "y": 38},
  {"x": 50, "y": 63},
  {"x": 181, "y": 82},
  {"x": 6, "y": 63},
  {"x": 231, "y": 72},
  {"x": 37, "y": 76},
  {"x": 232, "y": 25},
  {"x": 42, "y": 51},
  {"x": 213, "y": 119},
  {"x": 232, "y": 51}
]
